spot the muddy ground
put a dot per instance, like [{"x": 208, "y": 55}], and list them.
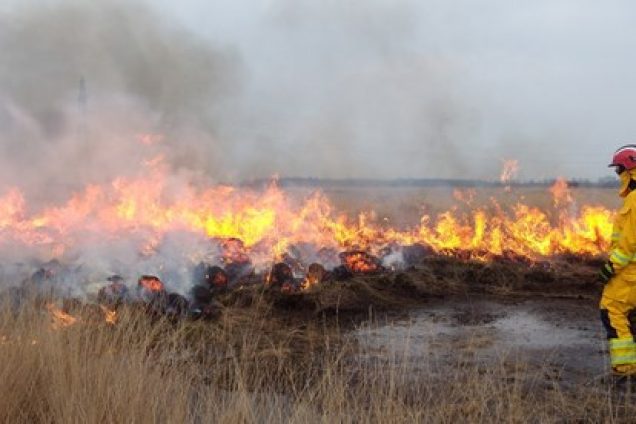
[
  {"x": 558, "y": 340},
  {"x": 447, "y": 313}
]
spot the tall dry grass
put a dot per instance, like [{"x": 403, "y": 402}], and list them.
[{"x": 255, "y": 366}]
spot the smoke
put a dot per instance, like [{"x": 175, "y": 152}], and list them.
[
  {"x": 299, "y": 88},
  {"x": 94, "y": 91},
  {"x": 424, "y": 88},
  {"x": 338, "y": 89},
  {"x": 80, "y": 81},
  {"x": 230, "y": 90}
]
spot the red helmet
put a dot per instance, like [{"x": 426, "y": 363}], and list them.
[{"x": 624, "y": 158}]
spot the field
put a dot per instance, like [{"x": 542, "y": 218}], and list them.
[
  {"x": 403, "y": 206},
  {"x": 443, "y": 340}
]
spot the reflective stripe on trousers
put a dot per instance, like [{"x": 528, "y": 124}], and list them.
[{"x": 622, "y": 351}]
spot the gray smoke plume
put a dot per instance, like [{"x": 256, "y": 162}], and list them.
[
  {"x": 424, "y": 88},
  {"x": 231, "y": 89},
  {"x": 80, "y": 81},
  {"x": 243, "y": 89},
  {"x": 89, "y": 91}
]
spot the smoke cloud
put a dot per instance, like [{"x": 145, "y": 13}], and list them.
[
  {"x": 82, "y": 82},
  {"x": 429, "y": 88},
  {"x": 298, "y": 88},
  {"x": 233, "y": 90}
]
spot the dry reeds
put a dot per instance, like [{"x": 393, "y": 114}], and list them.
[{"x": 253, "y": 365}]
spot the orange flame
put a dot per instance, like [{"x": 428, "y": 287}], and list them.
[
  {"x": 464, "y": 196},
  {"x": 561, "y": 192},
  {"x": 262, "y": 225},
  {"x": 360, "y": 262},
  {"x": 509, "y": 171},
  {"x": 110, "y": 316},
  {"x": 309, "y": 282},
  {"x": 151, "y": 283},
  {"x": 60, "y": 318},
  {"x": 315, "y": 275}
]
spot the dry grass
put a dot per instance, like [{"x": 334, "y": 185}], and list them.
[{"x": 254, "y": 365}]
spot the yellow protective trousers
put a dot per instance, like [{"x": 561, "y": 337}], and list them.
[
  {"x": 618, "y": 314},
  {"x": 618, "y": 302}
]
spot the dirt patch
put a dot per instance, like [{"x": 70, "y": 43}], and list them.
[{"x": 475, "y": 317}]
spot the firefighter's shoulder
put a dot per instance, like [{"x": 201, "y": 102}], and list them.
[{"x": 629, "y": 203}]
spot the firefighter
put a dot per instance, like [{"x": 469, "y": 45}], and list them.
[{"x": 618, "y": 301}]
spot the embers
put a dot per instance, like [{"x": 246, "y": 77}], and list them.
[
  {"x": 282, "y": 277},
  {"x": 360, "y": 262},
  {"x": 212, "y": 277},
  {"x": 151, "y": 291},
  {"x": 149, "y": 287},
  {"x": 316, "y": 274}
]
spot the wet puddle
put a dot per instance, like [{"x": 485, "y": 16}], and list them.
[{"x": 563, "y": 337}]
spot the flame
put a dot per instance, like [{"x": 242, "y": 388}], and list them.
[
  {"x": 315, "y": 275},
  {"x": 110, "y": 316},
  {"x": 561, "y": 195},
  {"x": 60, "y": 318},
  {"x": 261, "y": 225},
  {"x": 151, "y": 283},
  {"x": 360, "y": 262},
  {"x": 464, "y": 196},
  {"x": 509, "y": 171},
  {"x": 309, "y": 282}
]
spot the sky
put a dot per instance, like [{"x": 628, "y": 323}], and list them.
[{"x": 341, "y": 89}]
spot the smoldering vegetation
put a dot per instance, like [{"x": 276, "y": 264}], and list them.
[
  {"x": 304, "y": 281},
  {"x": 345, "y": 293},
  {"x": 92, "y": 90}
]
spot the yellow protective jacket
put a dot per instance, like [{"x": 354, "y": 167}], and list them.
[
  {"x": 618, "y": 302},
  {"x": 622, "y": 252}
]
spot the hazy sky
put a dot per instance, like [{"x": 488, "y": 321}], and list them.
[
  {"x": 407, "y": 85},
  {"x": 342, "y": 88}
]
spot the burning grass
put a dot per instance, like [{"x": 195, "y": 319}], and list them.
[
  {"x": 253, "y": 365},
  {"x": 256, "y": 227},
  {"x": 276, "y": 344}
]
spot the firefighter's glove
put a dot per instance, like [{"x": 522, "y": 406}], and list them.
[{"x": 607, "y": 271}]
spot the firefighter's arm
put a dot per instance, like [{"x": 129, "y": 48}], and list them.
[{"x": 624, "y": 251}]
